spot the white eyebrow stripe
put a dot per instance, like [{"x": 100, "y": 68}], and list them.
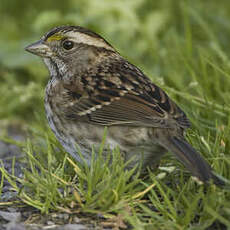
[{"x": 88, "y": 40}]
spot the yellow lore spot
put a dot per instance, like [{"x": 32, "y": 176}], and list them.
[{"x": 55, "y": 37}]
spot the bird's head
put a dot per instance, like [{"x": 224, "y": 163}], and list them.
[{"x": 68, "y": 47}]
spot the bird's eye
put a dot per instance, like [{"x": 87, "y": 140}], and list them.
[{"x": 67, "y": 45}]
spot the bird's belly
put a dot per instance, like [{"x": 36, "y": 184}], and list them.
[{"x": 133, "y": 142}]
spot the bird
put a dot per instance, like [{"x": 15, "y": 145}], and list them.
[{"x": 91, "y": 86}]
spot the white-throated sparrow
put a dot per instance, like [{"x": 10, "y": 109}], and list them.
[{"x": 91, "y": 86}]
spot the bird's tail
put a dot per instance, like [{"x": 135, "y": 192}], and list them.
[{"x": 192, "y": 160}]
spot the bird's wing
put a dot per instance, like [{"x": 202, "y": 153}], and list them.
[{"x": 125, "y": 97}]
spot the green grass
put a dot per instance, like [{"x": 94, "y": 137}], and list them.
[
  {"x": 183, "y": 46},
  {"x": 166, "y": 199}
]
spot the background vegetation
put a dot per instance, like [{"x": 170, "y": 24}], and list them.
[{"x": 183, "y": 46}]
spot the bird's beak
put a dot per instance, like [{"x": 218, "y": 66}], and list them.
[{"x": 39, "y": 48}]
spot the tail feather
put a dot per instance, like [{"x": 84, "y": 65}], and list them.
[{"x": 192, "y": 160}]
